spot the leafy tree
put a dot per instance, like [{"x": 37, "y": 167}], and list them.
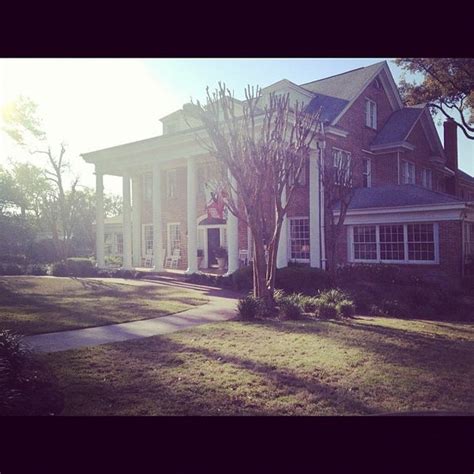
[
  {"x": 113, "y": 205},
  {"x": 10, "y": 196},
  {"x": 447, "y": 87},
  {"x": 260, "y": 154}
]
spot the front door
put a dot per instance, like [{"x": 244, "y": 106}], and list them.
[{"x": 213, "y": 243}]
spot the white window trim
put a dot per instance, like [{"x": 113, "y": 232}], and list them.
[
  {"x": 288, "y": 239},
  {"x": 424, "y": 174},
  {"x": 369, "y": 171},
  {"x": 168, "y": 239},
  {"x": 144, "y": 254},
  {"x": 368, "y": 117},
  {"x": 168, "y": 172},
  {"x": 348, "y": 153},
  {"x": 402, "y": 163},
  {"x": 406, "y": 261}
]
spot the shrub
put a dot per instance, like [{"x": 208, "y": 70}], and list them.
[
  {"x": 14, "y": 259},
  {"x": 345, "y": 308},
  {"x": 390, "y": 307},
  {"x": 289, "y": 308},
  {"x": 302, "y": 278},
  {"x": 12, "y": 351},
  {"x": 333, "y": 296},
  {"x": 114, "y": 260},
  {"x": 278, "y": 295},
  {"x": 81, "y": 267},
  {"x": 242, "y": 279},
  {"x": 38, "y": 270},
  {"x": 59, "y": 269},
  {"x": 249, "y": 307},
  {"x": 11, "y": 269},
  {"x": 326, "y": 310}
]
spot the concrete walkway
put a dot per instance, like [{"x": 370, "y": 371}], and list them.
[{"x": 221, "y": 307}]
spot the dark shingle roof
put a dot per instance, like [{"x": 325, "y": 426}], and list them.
[
  {"x": 331, "y": 107},
  {"x": 398, "y": 195},
  {"x": 343, "y": 86},
  {"x": 397, "y": 126}
]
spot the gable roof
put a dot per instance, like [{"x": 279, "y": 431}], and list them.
[
  {"x": 398, "y": 195},
  {"x": 398, "y": 126},
  {"x": 346, "y": 85}
]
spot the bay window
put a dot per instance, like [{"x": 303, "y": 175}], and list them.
[{"x": 394, "y": 243}]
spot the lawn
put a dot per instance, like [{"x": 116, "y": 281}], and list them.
[
  {"x": 33, "y": 305},
  {"x": 362, "y": 366}
]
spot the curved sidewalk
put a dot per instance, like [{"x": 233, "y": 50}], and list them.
[{"x": 221, "y": 307}]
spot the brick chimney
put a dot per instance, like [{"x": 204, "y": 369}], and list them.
[
  {"x": 451, "y": 150},
  {"x": 451, "y": 144}
]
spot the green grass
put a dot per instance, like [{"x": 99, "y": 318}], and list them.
[
  {"x": 360, "y": 366},
  {"x": 33, "y": 305}
]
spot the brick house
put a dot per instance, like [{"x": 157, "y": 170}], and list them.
[{"x": 412, "y": 205}]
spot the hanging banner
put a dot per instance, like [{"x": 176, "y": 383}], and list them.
[{"x": 215, "y": 201}]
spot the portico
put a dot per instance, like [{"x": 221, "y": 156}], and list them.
[{"x": 163, "y": 205}]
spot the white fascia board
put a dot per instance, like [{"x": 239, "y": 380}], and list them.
[
  {"x": 397, "y": 146},
  {"x": 330, "y": 130},
  {"x": 404, "y": 214}
]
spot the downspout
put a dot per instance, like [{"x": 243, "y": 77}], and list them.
[{"x": 322, "y": 227}]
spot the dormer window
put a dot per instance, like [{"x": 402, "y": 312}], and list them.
[{"x": 371, "y": 114}]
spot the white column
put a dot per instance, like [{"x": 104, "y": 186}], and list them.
[
  {"x": 192, "y": 217},
  {"x": 282, "y": 253},
  {"x": 314, "y": 211},
  {"x": 157, "y": 221},
  {"x": 99, "y": 219},
  {"x": 127, "y": 223},
  {"x": 232, "y": 235},
  {"x": 136, "y": 222}
]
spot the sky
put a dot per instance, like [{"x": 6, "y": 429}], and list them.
[{"x": 96, "y": 103}]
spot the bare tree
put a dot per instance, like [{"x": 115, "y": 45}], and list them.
[
  {"x": 24, "y": 127},
  {"x": 336, "y": 179},
  {"x": 260, "y": 154}
]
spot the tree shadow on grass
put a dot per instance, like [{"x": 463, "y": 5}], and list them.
[
  {"x": 286, "y": 382},
  {"x": 393, "y": 345}
]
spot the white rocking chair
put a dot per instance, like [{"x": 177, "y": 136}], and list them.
[{"x": 173, "y": 260}]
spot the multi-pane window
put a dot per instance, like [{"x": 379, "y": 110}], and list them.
[
  {"x": 299, "y": 239},
  {"x": 119, "y": 243},
  {"x": 371, "y": 114},
  {"x": 421, "y": 245},
  {"x": 367, "y": 172},
  {"x": 469, "y": 239},
  {"x": 342, "y": 166},
  {"x": 365, "y": 244},
  {"x": 407, "y": 172},
  {"x": 108, "y": 243},
  {"x": 392, "y": 245},
  {"x": 427, "y": 178},
  {"x": 148, "y": 239},
  {"x": 147, "y": 186},
  {"x": 171, "y": 183},
  {"x": 402, "y": 243},
  {"x": 174, "y": 237}
]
